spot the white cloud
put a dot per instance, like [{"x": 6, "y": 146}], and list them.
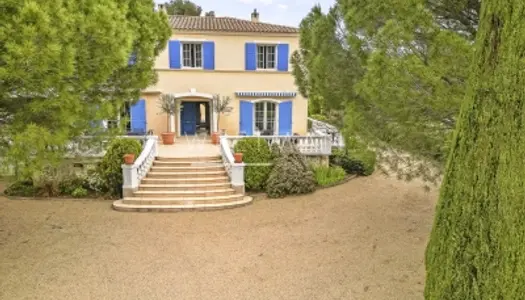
[
  {"x": 283, "y": 6},
  {"x": 246, "y": 1},
  {"x": 266, "y": 2}
]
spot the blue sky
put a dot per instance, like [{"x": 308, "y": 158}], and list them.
[{"x": 284, "y": 12}]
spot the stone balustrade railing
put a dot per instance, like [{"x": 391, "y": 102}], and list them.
[
  {"x": 133, "y": 174},
  {"x": 307, "y": 145}
]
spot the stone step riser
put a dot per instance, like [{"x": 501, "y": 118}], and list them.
[
  {"x": 168, "y": 201},
  {"x": 186, "y": 164},
  {"x": 182, "y": 195},
  {"x": 184, "y": 180},
  {"x": 186, "y": 169},
  {"x": 196, "y": 188},
  {"x": 166, "y": 175},
  {"x": 189, "y": 159}
]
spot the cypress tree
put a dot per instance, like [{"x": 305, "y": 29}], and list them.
[{"x": 477, "y": 245}]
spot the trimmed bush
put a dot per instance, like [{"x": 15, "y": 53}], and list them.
[
  {"x": 358, "y": 161},
  {"x": 255, "y": 151},
  {"x": 79, "y": 192},
  {"x": 325, "y": 176},
  {"x": 67, "y": 186},
  {"x": 290, "y": 175},
  {"x": 23, "y": 188},
  {"x": 110, "y": 168}
]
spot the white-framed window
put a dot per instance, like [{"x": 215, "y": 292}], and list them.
[
  {"x": 192, "y": 55},
  {"x": 266, "y": 56},
  {"x": 265, "y": 120}
]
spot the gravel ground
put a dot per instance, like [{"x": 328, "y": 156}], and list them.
[{"x": 361, "y": 240}]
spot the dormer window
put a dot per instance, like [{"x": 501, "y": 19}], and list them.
[
  {"x": 192, "y": 55},
  {"x": 266, "y": 55}
]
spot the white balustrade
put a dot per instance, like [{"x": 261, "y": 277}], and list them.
[
  {"x": 307, "y": 145},
  {"x": 235, "y": 170},
  {"x": 133, "y": 174}
]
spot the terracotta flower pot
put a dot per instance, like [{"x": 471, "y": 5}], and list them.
[
  {"x": 215, "y": 138},
  {"x": 129, "y": 159},
  {"x": 168, "y": 138},
  {"x": 237, "y": 158}
]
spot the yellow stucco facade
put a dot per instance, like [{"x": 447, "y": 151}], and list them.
[{"x": 228, "y": 77}]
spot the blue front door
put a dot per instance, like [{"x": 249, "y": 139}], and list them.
[{"x": 188, "y": 118}]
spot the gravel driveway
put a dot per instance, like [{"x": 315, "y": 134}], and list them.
[{"x": 362, "y": 240}]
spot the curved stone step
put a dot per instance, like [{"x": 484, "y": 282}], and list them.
[
  {"x": 197, "y": 202},
  {"x": 189, "y": 194},
  {"x": 119, "y": 206},
  {"x": 199, "y": 174},
  {"x": 186, "y": 180},
  {"x": 184, "y": 186}
]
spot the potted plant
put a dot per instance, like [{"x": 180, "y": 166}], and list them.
[
  {"x": 129, "y": 158},
  {"x": 167, "y": 106},
  {"x": 237, "y": 157},
  {"x": 221, "y": 105}
]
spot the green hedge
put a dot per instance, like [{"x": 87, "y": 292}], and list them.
[
  {"x": 328, "y": 175},
  {"x": 255, "y": 151},
  {"x": 357, "y": 161},
  {"x": 110, "y": 168}
]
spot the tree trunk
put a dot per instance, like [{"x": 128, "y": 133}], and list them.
[{"x": 477, "y": 245}]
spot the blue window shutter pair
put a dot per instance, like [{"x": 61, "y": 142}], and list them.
[
  {"x": 208, "y": 49},
  {"x": 250, "y": 53},
  {"x": 138, "y": 117},
  {"x": 285, "y": 118}
]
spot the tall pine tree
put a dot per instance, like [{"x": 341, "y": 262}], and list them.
[{"x": 477, "y": 245}]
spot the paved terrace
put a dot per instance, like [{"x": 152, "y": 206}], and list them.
[{"x": 188, "y": 147}]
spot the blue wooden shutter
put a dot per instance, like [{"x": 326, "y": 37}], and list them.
[
  {"x": 250, "y": 53},
  {"x": 282, "y": 57},
  {"x": 174, "y": 52},
  {"x": 208, "y": 48},
  {"x": 246, "y": 117},
  {"x": 138, "y": 117},
  {"x": 132, "y": 59},
  {"x": 285, "y": 118}
]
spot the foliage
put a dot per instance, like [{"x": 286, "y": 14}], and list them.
[
  {"x": 110, "y": 168},
  {"x": 256, "y": 153},
  {"x": 290, "y": 174},
  {"x": 23, "y": 188},
  {"x": 328, "y": 175},
  {"x": 167, "y": 104},
  {"x": 475, "y": 249},
  {"x": 183, "y": 8},
  {"x": 70, "y": 184},
  {"x": 65, "y": 66},
  {"x": 357, "y": 161},
  {"x": 397, "y": 69},
  {"x": 79, "y": 192},
  {"x": 221, "y": 105}
]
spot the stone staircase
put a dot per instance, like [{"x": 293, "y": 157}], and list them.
[{"x": 189, "y": 183}]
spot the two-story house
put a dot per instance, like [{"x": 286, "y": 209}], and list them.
[{"x": 246, "y": 60}]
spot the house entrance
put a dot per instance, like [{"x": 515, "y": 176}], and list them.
[{"x": 195, "y": 118}]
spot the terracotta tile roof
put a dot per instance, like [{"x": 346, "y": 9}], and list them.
[{"x": 226, "y": 24}]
